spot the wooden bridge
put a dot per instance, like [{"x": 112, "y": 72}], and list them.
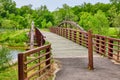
[{"x": 74, "y": 49}]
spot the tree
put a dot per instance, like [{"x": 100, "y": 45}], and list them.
[
  {"x": 85, "y": 20},
  {"x": 112, "y": 12},
  {"x": 27, "y": 9},
  {"x": 43, "y": 23},
  {"x": 43, "y": 16},
  {"x": 116, "y": 23},
  {"x": 98, "y": 23},
  {"x": 115, "y": 1},
  {"x": 49, "y": 24},
  {"x": 9, "y": 24},
  {"x": 102, "y": 23}
]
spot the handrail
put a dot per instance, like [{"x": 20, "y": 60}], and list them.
[
  {"x": 39, "y": 37},
  {"x": 34, "y": 62},
  {"x": 107, "y": 46},
  {"x": 71, "y": 23}
]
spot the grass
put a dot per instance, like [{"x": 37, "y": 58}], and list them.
[{"x": 9, "y": 73}]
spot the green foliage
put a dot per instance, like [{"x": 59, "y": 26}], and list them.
[
  {"x": 85, "y": 19},
  {"x": 9, "y": 24},
  {"x": 49, "y": 24},
  {"x": 5, "y": 57},
  {"x": 43, "y": 23},
  {"x": 98, "y": 17},
  {"x": 116, "y": 23},
  {"x": 98, "y": 22},
  {"x": 102, "y": 23},
  {"x": 14, "y": 38}
]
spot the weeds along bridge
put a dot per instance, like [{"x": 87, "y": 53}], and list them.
[{"x": 75, "y": 51}]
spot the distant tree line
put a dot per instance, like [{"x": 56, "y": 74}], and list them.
[{"x": 98, "y": 17}]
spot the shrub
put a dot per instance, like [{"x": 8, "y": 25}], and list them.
[{"x": 5, "y": 57}]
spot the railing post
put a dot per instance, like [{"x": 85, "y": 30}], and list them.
[
  {"x": 21, "y": 74},
  {"x": 80, "y": 38},
  {"x": 70, "y": 36},
  {"x": 97, "y": 44},
  {"x": 90, "y": 50},
  {"x": 60, "y": 32},
  {"x": 67, "y": 33},
  {"x": 86, "y": 38},
  {"x": 32, "y": 36},
  {"x": 103, "y": 46},
  {"x": 75, "y": 35},
  {"x": 110, "y": 48},
  {"x": 118, "y": 53},
  {"x": 48, "y": 56}
]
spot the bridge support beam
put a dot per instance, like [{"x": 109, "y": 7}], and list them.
[{"x": 90, "y": 51}]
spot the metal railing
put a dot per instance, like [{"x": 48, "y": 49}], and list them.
[
  {"x": 107, "y": 46},
  {"x": 34, "y": 63},
  {"x": 80, "y": 37}
]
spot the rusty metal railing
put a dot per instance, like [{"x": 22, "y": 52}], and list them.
[
  {"x": 107, "y": 46},
  {"x": 78, "y": 36},
  {"x": 39, "y": 37},
  {"x": 31, "y": 67}
]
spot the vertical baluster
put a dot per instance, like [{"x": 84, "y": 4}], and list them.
[
  {"x": 80, "y": 38},
  {"x": 70, "y": 34},
  {"x": 103, "y": 45},
  {"x": 118, "y": 53},
  {"x": 47, "y": 57},
  {"x": 97, "y": 44},
  {"x": 74, "y": 33},
  {"x": 110, "y": 48}
]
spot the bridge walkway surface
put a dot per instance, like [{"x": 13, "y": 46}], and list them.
[{"x": 74, "y": 60}]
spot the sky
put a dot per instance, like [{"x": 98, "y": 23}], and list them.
[{"x": 54, "y": 4}]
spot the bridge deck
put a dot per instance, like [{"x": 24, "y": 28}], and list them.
[
  {"x": 64, "y": 48},
  {"x": 73, "y": 58}
]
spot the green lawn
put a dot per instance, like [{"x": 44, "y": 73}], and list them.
[{"x": 9, "y": 73}]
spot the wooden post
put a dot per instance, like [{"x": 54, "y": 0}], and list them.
[
  {"x": 21, "y": 67},
  {"x": 75, "y": 35},
  {"x": 32, "y": 36},
  {"x": 110, "y": 50},
  {"x": 66, "y": 33},
  {"x": 103, "y": 46},
  {"x": 118, "y": 53},
  {"x": 86, "y": 38},
  {"x": 63, "y": 32},
  {"x": 80, "y": 38},
  {"x": 39, "y": 53},
  {"x": 90, "y": 51},
  {"x": 48, "y": 56},
  {"x": 70, "y": 34},
  {"x": 97, "y": 44}
]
